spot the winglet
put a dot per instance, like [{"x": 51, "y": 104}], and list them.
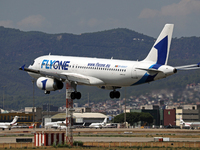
[
  {"x": 22, "y": 67},
  {"x": 198, "y": 65}
]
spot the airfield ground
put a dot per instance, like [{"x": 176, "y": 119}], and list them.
[{"x": 129, "y": 138}]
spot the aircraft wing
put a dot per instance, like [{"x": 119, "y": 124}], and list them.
[
  {"x": 79, "y": 78},
  {"x": 75, "y": 77},
  {"x": 188, "y": 67},
  {"x": 29, "y": 70},
  {"x": 43, "y": 73}
]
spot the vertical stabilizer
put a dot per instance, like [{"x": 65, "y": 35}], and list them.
[
  {"x": 181, "y": 121},
  {"x": 160, "y": 50},
  {"x": 104, "y": 121},
  {"x": 14, "y": 120}
]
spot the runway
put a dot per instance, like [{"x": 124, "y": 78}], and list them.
[{"x": 107, "y": 139}]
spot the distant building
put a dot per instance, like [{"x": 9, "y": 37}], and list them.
[
  {"x": 26, "y": 117},
  {"x": 189, "y": 113},
  {"x": 169, "y": 116},
  {"x": 82, "y": 109},
  {"x": 47, "y": 107},
  {"x": 149, "y": 107}
]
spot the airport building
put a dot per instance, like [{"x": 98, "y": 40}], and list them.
[
  {"x": 171, "y": 115},
  {"x": 25, "y": 118},
  {"x": 80, "y": 118},
  {"x": 189, "y": 113}
]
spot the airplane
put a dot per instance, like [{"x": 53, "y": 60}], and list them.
[
  {"x": 192, "y": 125},
  {"x": 56, "y": 125},
  {"x": 111, "y": 74},
  {"x": 9, "y": 125},
  {"x": 98, "y": 125}
]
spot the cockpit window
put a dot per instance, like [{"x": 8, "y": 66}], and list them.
[{"x": 32, "y": 63}]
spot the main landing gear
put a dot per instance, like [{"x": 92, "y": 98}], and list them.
[
  {"x": 114, "y": 94},
  {"x": 75, "y": 94}
]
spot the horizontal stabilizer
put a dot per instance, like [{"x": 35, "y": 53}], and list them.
[
  {"x": 150, "y": 69},
  {"x": 188, "y": 67}
]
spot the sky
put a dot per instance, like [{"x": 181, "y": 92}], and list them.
[{"x": 87, "y": 16}]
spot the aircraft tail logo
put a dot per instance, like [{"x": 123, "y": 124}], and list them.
[
  {"x": 160, "y": 50},
  {"x": 14, "y": 120}
]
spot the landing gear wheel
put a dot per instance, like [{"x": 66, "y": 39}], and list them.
[
  {"x": 78, "y": 95},
  {"x": 114, "y": 94},
  {"x": 117, "y": 94},
  {"x": 75, "y": 95}
]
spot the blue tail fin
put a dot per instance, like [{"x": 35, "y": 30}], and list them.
[{"x": 160, "y": 50}]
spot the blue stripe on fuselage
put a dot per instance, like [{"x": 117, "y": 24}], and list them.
[{"x": 147, "y": 77}]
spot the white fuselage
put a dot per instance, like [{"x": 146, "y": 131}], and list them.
[
  {"x": 96, "y": 125},
  {"x": 191, "y": 124},
  {"x": 5, "y": 125},
  {"x": 57, "y": 125},
  {"x": 101, "y": 72}
]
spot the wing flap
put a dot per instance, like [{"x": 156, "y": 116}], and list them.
[{"x": 79, "y": 78}]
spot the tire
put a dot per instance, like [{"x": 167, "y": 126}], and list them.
[
  {"x": 73, "y": 95},
  {"x": 78, "y": 95},
  {"x": 112, "y": 95},
  {"x": 117, "y": 94}
]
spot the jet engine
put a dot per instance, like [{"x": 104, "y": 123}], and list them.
[{"x": 49, "y": 84}]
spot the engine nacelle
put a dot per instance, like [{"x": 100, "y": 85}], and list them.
[{"x": 49, "y": 84}]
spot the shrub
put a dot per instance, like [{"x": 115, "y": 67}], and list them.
[{"x": 78, "y": 143}]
